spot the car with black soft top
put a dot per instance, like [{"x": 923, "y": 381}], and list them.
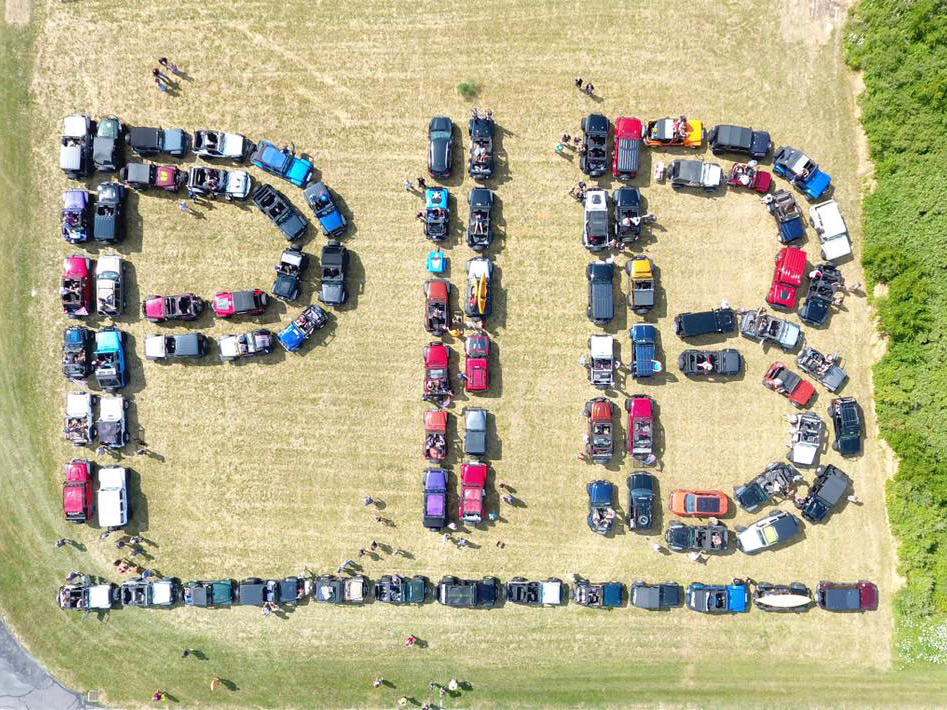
[
  {"x": 469, "y": 593},
  {"x": 726, "y": 138}
]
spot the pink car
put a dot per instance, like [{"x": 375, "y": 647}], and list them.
[
  {"x": 237, "y": 303},
  {"x": 185, "y": 306},
  {"x": 477, "y": 365},
  {"x": 473, "y": 481},
  {"x": 75, "y": 289}
]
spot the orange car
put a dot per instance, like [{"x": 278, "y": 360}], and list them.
[
  {"x": 698, "y": 504},
  {"x": 664, "y": 132}
]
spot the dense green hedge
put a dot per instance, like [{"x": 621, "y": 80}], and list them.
[{"x": 901, "y": 48}]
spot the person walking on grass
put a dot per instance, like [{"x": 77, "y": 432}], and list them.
[
  {"x": 578, "y": 82},
  {"x": 158, "y": 696},
  {"x": 408, "y": 186},
  {"x": 170, "y": 66},
  {"x": 422, "y": 184},
  {"x": 560, "y": 149},
  {"x": 60, "y": 542}
]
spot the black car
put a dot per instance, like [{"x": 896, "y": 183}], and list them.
[
  {"x": 469, "y": 593},
  {"x": 823, "y": 284},
  {"x": 593, "y": 159},
  {"x": 335, "y": 261},
  {"x": 251, "y": 592},
  {"x": 395, "y": 589},
  {"x": 777, "y": 479},
  {"x": 601, "y": 308},
  {"x": 108, "y": 222},
  {"x": 720, "y": 320},
  {"x": 151, "y": 141},
  {"x": 824, "y": 494},
  {"x": 480, "y": 129},
  {"x": 725, "y": 138},
  {"x": 286, "y": 591},
  {"x": 290, "y": 269},
  {"x": 280, "y": 211},
  {"x": 847, "y": 422},
  {"x": 627, "y": 214},
  {"x": 108, "y": 145},
  {"x": 551, "y": 591},
  {"x": 440, "y": 152},
  {"x": 77, "y": 352},
  {"x": 656, "y": 596},
  {"x": 641, "y": 487},
  {"x": 480, "y": 221},
  {"x": 704, "y": 363}
]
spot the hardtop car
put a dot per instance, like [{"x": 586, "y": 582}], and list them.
[
  {"x": 212, "y": 182},
  {"x": 184, "y": 307},
  {"x": 823, "y": 368},
  {"x": 298, "y": 330},
  {"x": 762, "y": 327},
  {"x": 144, "y": 593},
  {"x": 75, "y": 286},
  {"x": 847, "y": 423},
  {"x": 76, "y": 216},
  {"x": 251, "y": 592},
  {"x": 480, "y": 129},
  {"x": 784, "y": 208},
  {"x": 477, "y": 363},
  {"x": 334, "y": 262},
  {"x": 289, "y": 271},
  {"x": 437, "y": 306},
  {"x": 549, "y": 592},
  {"x": 75, "y": 148},
  {"x": 701, "y": 538},
  {"x": 436, "y": 213},
  {"x": 220, "y": 144},
  {"x": 601, "y": 307},
  {"x": 640, "y": 408},
  {"x": 435, "y": 498},
  {"x": 285, "y": 592},
  {"x": 727, "y": 138},
  {"x": 78, "y": 502},
  {"x": 320, "y": 200},
  {"x": 641, "y": 490},
  {"x": 601, "y": 517},
  {"x": 777, "y": 479},
  {"x": 643, "y": 338},
  {"x": 108, "y": 359},
  {"x": 237, "y": 303},
  {"x": 189, "y": 345},
  {"x": 340, "y": 590},
  {"x": 469, "y": 593},
  {"x": 787, "y": 276},
  {"x": 656, "y": 596},
  {"x": 256, "y": 342},
  {"x": 794, "y": 597},
  {"x": 641, "y": 283},
  {"x": 829, "y": 225},
  {"x": 77, "y": 352},
  {"x": 600, "y": 595},
  {"x": 110, "y": 285},
  {"x": 695, "y": 173},
  {"x": 280, "y": 211},
  {"x": 282, "y": 163},
  {"x": 825, "y": 280},
  {"x": 600, "y": 444},
  {"x": 801, "y": 171},
  {"x": 602, "y": 362},
  {"x": 475, "y": 431},
  {"x": 78, "y": 424},
  {"x": 698, "y": 504},
  {"x": 667, "y": 132},
  {"x": 144, "y": 176},
  {"x": 440, "y": 140},
  {"x": 790, "y": 385},
  {"x": 478, "y": 300},
  {"x": 145, "y": 141},
  {"x": 108, "y": 222},
  {"x": 842, "y": 596},
  {"x": 773, "y": 529},
  {"x": 596, "y": 234},
  {"x": 824, "y": 493},
  {"x": 437, "y": 385},
  {"x": 719, "y": 320},
  {"x": 112, "y": 497},
  {"x": 719, "y": 598},
  {"x": 112, "y": 426},
  {"x": 396, "y": 589},
  {"x": 108, "y": 145},
  {"x": 627, "y": 148},
  {"x": 219, "y": 592},
  {"x": 593, "y": 158},
  {"x": 473, "y": 491},
  {"x": 705, "y": 363},
  {"x": 480, "y": 219},
  {"x": 435, "y": 434}
]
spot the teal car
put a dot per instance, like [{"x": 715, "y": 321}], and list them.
[
  {"x": 282, "y": 163},
  {"x": 108, "y": 359}
]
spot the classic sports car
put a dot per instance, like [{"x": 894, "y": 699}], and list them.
[
  {"x": 218, "y": 144},
  {"x": 695, "y": 173},
  {"x": 783, "y": 206},
  {"x": 703, "y": 363},
  {"x": 801, "y": 171},
  {"x": 437, "y": 386},
  {"x": 788, "y": 384},
  {"x": 725, "y": 138},
  {"x": 477, "y": 363},
  {"x": 256, "y": 342},
  {"x": 437, "y": 306},
  {"x": 478, "y": 301},
  {"x": 593, "y": 159},
  {"x": 440, "y": 140},
  {"x": 334, "y": 262},
  {"x": 292, "y": 265},
  {"x": 480, "y": 129},
  {"x": 435, "y": 498},
  {"x": 760, "y": 326},
  {"x": 602, "y": 513},
  {"x": 150, "y": 141},
  {"x": 664, "y": 132},
  {"x": 75, "y": 288},
  {"x": 238, "y": 303},
  {"x": 331, "y": 219},
  {"x": 473, "y": 481},
  {"x": 185, "y": 306},
  {"x": 600, "y": 437},
  {"x": 300, "y": 328},
  {"x": 627, "y": 148},
  {"x": 77, "y": 353},
  {"x": 640, "y": 410},
  {"x": 479, "y": 222},
  {"x": 282, "y": 163},
  {"x": 108, "y": 145},
  {"x": 280, "y": 211},
  {"x": 435, "y": 435},
  {"x": 212, "y": 182},
  {"x": 787, "y": 276},
  {"x": 698, "y": 504},
  {"x": 774, "y": 529},
  {"x": 596, "y": 235},
  {"x": 76, "y": 216},
  {"x": 749, "y": 176}
]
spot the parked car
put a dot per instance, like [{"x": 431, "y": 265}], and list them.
[
  {"x": 601, "y": 308},
  {"x": 596, "y": 234},
  {"x": 601, "y": 517},
  {"x": 185, "y": 307},
  {"x": 480, "y": 129},
  {"x": 435, "y": 498},
  {"x": 256, "y": 342},
  {"x": 549, "y": 592},
  {"x": 599, "y": 595},
  {"x": 112, "y": 499},
  {"x": 108, "y": 223},
  {"x": 762, "y": 327},
  {"x": 640, "y": 408},
  {"x": 285, "y": 592},
  {"x": 787, "y": 276},
  {"x": 435, "y": 435},
  {"x": 218, "y": 593},
  {"x": 826, "y": 219},
  {"x": 395, "y": 589},
  {"x": 145, "y": 593},
  {"x": 719, "y": 598},
  {"x": 806, "y": 439},
  {"x": 794, "y": 597},
  {"x": 239, "y": 303},
  {"x": 788, "y": 384},
  {"x": 480, "y": 220},
  {"x": 437, "y": 386},
  {"x": 719, "y": 320},
  {"x": 695, "y": 173},
  {"x": 824, "y": 494},
  {"x": 627, "y": 148},
  {"x": 301, "y": 327},
  {"x": 145, "y": 141},
  {"x": 593, "y": 160},
  {"x": 161, "y": 347},
  {"x": 641, "y": 283},
  {"x": 641, "y": 488},
  {"x": 437, "y": 306},
  {"x": 469, "y": 593},
  {"x": 219, "y": 144},
  {"x": 213, "y": 182},
  {"x": 773, "y": 529},
  {"x": 334, "y": 262},
  {"x": 847, "y": 423},
  {"x": 78, "y": 503},
  {"x": 698, "y": 504},
  {"x": 440, "y": 150},
  {"x": 87, "y": 597},
  {"x": 282, "y": 162},
  {"x": 290, "y": 269},
  {"x": 656, "y": 596},
  {"x": 340, "y": 590},
  {"x": 705, "y": 363},
  {"x": 784, "y": 208},
  {"x": 749, "y": 176},
  {"x": 628, "y": 216},
  {"x": 478, "y": 302},
  {"x": 725, "y": 138},
  {"x": 280, "y": 211},
  {"x": 643, "y": 350},
  {"x": 667, "y": 132},
  {"x": 600, "y": 444},
  {"x": 108, "y": 152},
  {"x": 475, "y": 431},
  {"x": 112, "y": 426},
  {"x": 841, "y": 596},
  {"x": 76, "y": 216},
  {"x": 78, "y": 424},
  {"x": 331, "y": 219},
  {"x": 251, "y": 592},
  {"x": 108, "y": 359},
  {"x": 777, "y": 479},
  {"x": 77, "y": 352},
  {"x": 825, "y": 281},
  {"x": 823, "y": 368},
  {"x": 801, "y": 171},
  {"x": 75, "y": 149},
  {"x": 436, "y": 213},
  {"x": 473, "y": 491},
  {"x": 700, "y": 538},
  {"x": 110, "y": 285},
  {"x": 602, "y": 361},
  {"x": 477, "y": 363}
]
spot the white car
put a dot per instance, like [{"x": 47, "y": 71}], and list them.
[
  {"x": 776, "y": 528},
  {"x": 78, "y": 426},
  {"x": 112, "y": 501},
  {"x": 806, "y": 438},
  {"x": 596, "y": 234},
  {"x": 112, "y": 429},
  {"x": 75, "y": 150},
  {"x": 218, "y": 144},
  {"x": 603, "y": 362},
  {"x": 257, "y": 342},
  {"x": 827, "y": 220},
  {"x": 109, "y": 285}
]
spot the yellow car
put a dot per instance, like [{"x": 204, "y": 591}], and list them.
[
  {"x": 641, "y": 285},
  {"x": 674, "y": 131}
]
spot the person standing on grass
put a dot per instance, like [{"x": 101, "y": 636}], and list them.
[
  {"x": 170, "y": 66},
  {"x": 60, "y": 542},
  {"x": 578, "y": 82},
  {"x": 408, "y": 187},
  {"x": 368, "y": 500},
  {"x": 214, "y": 684},
  {"x": 158, "y": 696},
  {"x": 421, "y": 183},
  {"x": 560, "y": 148}
]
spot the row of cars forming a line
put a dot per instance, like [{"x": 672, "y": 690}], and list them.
[
  {"x": 485, "y": 593},
  {"x": 111, "y": 428},
  {"x": 435, "y": 446}
]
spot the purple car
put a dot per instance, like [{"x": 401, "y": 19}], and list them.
[
  {"x": 76, "y": 209},
  {"x": 435, "y": 498}
]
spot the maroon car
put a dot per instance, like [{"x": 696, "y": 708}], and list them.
[
  {"x": 185, "y": 306},
  {"x": 75, "y": 289},
  {"x": 855, "y": 596},
  {"x": 77, "y": 498},
  {"x": 749, "y": 176},
  {"x": 437, "y": 387},
  {"x": 436, "y": 306},
  {"x": 477, "y": 363},
  {"x": 435, "y": 435}
]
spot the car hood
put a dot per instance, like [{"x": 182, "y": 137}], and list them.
[{"x": 332, "y": 292}]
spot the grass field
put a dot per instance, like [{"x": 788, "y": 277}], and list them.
[{"x": 259, "y": 468}]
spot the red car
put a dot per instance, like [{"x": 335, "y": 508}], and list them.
[
  {"x": 473, "y": 482},
  {"x": 788, "y": 384},
  {"x": 185, "y": 306},
  {"x": 477, "y": 365},
  {"x": 698, "y": 504},
  {"x": 627, "y": 147},
  {"x": 436, "y": 306},
  {"x": 75, "y": 289},
  {"x": 238, "y": 303},
  {"x": 77, "y": 498},
  {"x": 435, "y": 435},
  {"x": 437, "y": 388},
  {"x": 600, "y": 437},
  {"x": 640, "y": 438},
  {"x": 750, "y": 177},
  {"x": 790, "y": 266}
]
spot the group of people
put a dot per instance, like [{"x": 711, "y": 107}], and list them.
[
  {"x": 163, "y": 82},
  {"x": 589, "y": 89}
]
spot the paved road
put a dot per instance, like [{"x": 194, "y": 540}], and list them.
[{"x": 25, "y": 685}]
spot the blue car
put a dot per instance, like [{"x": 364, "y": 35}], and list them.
[
  {"x": 305, "y": 324},
  {"x": 801, "y": 171},
  {"x": 282, "y": 163},
  {"x": 108, "y": 359},
  {"x": 601, "y": 517},
  {"x": 436, "y": 213},
  {"x": 643, "y": 346},
  {"x": 719, "y": 598},
  {"x": 320, "y": 200}
]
